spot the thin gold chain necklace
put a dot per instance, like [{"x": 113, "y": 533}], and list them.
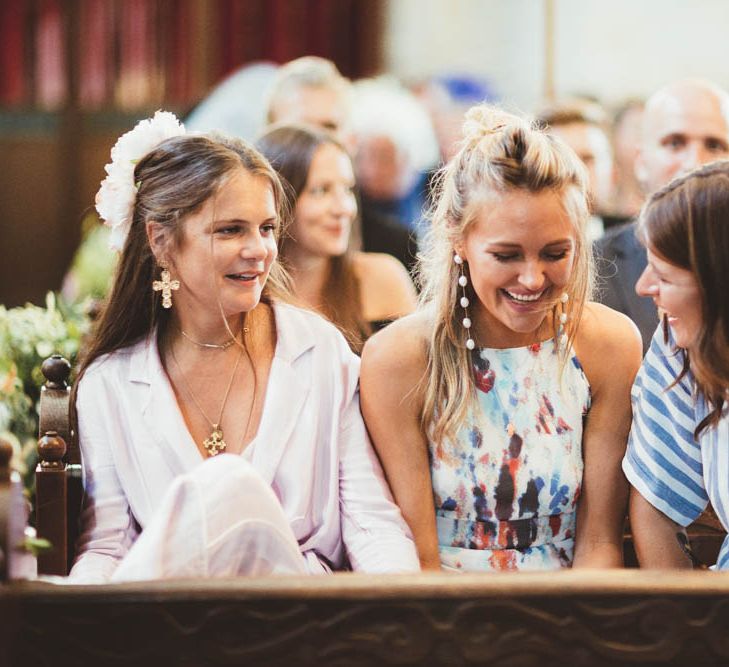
[
  {"x": 213, "y": 346},
  {"x": 214, "y": 443}
]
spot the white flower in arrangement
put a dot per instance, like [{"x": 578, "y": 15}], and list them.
[{"x": 115, "y": 198}]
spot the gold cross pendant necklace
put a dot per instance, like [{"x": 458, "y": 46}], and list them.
[{"x": 214, "y": 443}]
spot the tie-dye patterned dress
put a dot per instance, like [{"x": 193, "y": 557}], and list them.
[{"x": 506, "y": 490}]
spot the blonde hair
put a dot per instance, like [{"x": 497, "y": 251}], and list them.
[{"x": 499, "y": 153}]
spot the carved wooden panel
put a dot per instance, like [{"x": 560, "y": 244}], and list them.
[{"x": 510, "y": 622}]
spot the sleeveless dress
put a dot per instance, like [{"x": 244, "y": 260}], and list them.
[{"x": 506, "y": 489}]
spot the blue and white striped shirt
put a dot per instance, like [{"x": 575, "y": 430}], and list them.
[{"x": 672, "y": 471}]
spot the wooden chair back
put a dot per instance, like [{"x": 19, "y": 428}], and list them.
[{"x": 59, "y": 488}]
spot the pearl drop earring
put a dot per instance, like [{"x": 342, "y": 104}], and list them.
[
  {"x": 463, "y": 281},
  {"x": 561, "y": 333}
]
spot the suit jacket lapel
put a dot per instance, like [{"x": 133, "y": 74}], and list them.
[{"x": 631, "y": 263}]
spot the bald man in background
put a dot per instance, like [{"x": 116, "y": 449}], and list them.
[{"x": 685, "y": 125}]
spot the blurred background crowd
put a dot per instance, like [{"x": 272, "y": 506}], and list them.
[{"x": 74, "y": 74}]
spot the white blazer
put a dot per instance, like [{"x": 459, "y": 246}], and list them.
[{"x": 311, "y": 447}]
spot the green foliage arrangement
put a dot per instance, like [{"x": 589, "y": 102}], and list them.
[{"x": 28, "y": 335}]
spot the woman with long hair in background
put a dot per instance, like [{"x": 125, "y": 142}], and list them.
[{"x": 359, "y": 292}]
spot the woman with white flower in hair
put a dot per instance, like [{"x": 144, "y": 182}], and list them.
[
  {"x": 501, "y": 409},
  {"x": 219, "y": 427}
]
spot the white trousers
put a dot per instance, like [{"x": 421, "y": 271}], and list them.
[{"x": 220, "y": 520}]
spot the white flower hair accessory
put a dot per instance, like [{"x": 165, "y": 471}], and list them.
[{"x": 115, "y": 198}]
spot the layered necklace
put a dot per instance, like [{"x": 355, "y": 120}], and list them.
[
  {"x": 215, "y": 443},
  {"x": 213, "y": 346}
]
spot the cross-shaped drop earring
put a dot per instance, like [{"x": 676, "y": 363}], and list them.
[{"x": 166, "y": 285}]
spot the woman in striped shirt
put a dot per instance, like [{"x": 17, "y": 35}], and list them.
[{"x": 678, "y": 453}]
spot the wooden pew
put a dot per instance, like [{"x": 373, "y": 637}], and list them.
[{"x": 570, "y": 618}]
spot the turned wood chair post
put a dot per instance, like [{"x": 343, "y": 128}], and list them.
[
  {"x": 58, "y": 473},
  {"x": 51, "y": 501}
]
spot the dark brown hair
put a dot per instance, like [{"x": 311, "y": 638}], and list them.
[
  {"x": 291, "y": 149},
  {"x": 687, "y": 224}
]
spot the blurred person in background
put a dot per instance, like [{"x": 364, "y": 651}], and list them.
[
  {"x": 628, "y": 196},
  {"x": 358, "y": 291},
  {"x": 685, "y": 125},
  {"x": 236, "y": 106},
  {"x": 311, "y": 91},
  {"x": 581, "y": 125},
  {"x": 447, "y": 98},
  {"x": 396, "y": 148}
]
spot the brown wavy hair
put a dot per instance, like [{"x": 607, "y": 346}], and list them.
[
  {"x": 174, "y": 181},
  {"x": 291, "y": 149},
  {"x": 687, "y": 224}
]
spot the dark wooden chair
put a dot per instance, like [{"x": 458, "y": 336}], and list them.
[{"x": 59, "y": 488}]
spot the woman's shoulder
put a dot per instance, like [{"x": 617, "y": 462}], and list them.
[
  {"x": 292, "y": 316},
  {"x": 386, "y": 286},
  {"x": 602, "y": 323},
  {"x": 378, "y": 260},
  {"x": 401, "y": 345},
  {"x": 299, "y": 329},
  {"x": 111, "y": 369},
  {"x": 607, "y": 342},
  {"x": 119, "y": 359}
]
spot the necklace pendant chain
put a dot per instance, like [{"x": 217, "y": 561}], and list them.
[{"x": 214, "y": 443}]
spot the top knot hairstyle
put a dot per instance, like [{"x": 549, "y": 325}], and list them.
[
  {"x": 499, "y": 153},
  {"x": 687, "y": 224}
]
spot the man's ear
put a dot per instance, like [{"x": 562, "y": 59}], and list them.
[{"x": 158, "y": 238}]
